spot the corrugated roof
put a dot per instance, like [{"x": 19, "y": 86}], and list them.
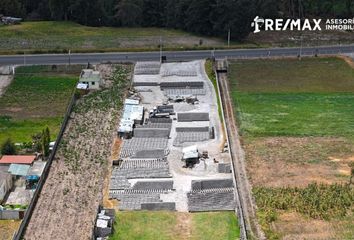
[
  {"x": 19, "y": 159},
  {"x": 19, "y": 169}
]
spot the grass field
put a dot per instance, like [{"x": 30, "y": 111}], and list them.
[
  {"x": 320, "y": 75},
  {"x": 296, "y": 123},
  {"x": 34, "y": 100},
  {"x": 172, "y": 225},
  {"x": 7, "y": 228},
  {"x": 295, "y": 114},
  {"x": 288, "y": 97},
  {"x": 61, "y": 36}
]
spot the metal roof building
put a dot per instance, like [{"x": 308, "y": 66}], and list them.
[
  {"x": 19, "y": 169},
  {"x": 17, "y": 159}
]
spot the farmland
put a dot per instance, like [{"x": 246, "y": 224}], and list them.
[
  {"x": 173, "y": 225},
  {"x": 295, "y": 119},
  {"x": 73, "y": 189},
  {"x": 44, "y": 36},
  {"x": 37, "y": 97}
]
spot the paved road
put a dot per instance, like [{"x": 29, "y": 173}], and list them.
[{"x": 171, "y": 56}]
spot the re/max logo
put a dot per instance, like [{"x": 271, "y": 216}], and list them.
[{"x": 283, "y": 25}]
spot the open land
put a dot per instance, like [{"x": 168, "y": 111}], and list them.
[
  {"x": 69, "y": 200},
  {"x": 44, "y": 36},
  {"x": 295, "y": 118},
  {"x": 8, "y": 228},
  {"x": 171, "y": 225},
  {"x": 301, "y": 38},
  {"x": 37, "y": 97},
  {"x": 59, "y": 37}
]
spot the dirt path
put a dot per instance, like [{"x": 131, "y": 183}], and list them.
[
  {"x": 243, "y": 187},
  {"x": 5, "y": 81},
  {"x": 107, "y": 203},
  {"x": 184, "y": 226}
]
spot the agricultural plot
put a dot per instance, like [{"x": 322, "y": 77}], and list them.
[
  {"x": 174, "y": 225},
  {"x": 69, "y": 200},
  {"x": 296, "y": 121},
  {"x": 37, "y": 97},
  {"x": 37, "y": 37}
]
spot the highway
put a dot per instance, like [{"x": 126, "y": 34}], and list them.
[{"x": 82, "y": 58}]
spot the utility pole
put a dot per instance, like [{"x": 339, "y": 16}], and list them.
[
  {"x": 69, "y": 57},
  {"x": 300, "y": 49},
  {"x": 24, "y": 58},
  {"x": 160, "y": 49},
  {"x": 228, "y": 38}
]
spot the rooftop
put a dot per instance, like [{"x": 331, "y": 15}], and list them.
[
  {"x": 89, "y": 75},
  {"x": 19, "y": 169},
  {"x": 19, "y": 159},
  {"x": 37, "y": 168}
]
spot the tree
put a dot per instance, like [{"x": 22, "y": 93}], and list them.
[
  {"x": 12, "y": 8},
  {"x": 45, "y": 140},
  {"x": 129, "y": 12},
  {"x": 198, "y": 17},
  {"x": 8, "y": 147},
  {"x": 235, "y": 16}
]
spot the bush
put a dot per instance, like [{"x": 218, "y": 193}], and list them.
[{"x": 8, "y": 148}]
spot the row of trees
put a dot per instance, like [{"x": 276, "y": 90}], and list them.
[{"x": 208, "y": 17}]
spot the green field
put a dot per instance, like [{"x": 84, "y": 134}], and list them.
[
  {"x": 287, "y": 111},
  {"x": 320, "y": 75},
  {"x": 295, "y": 114},
  {"x": 164, "y": 226},
  {"x": 33, "y": 101},
  {"x": 288, "y": 97},
  {"x": 53, "y": 36}
]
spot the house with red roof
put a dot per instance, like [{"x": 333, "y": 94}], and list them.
[{"x": 17, "y": 159}]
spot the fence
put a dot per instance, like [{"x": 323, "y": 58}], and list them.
[
  {"x": 239, "y": 208},
  {"x": 44, "y": 176}
]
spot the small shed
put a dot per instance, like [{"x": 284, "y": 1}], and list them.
[
  {"x": 91, "y": 78},
  {"x": 190, "y": 155}
]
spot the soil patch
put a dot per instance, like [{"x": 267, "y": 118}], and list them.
[{"x": 292, "y": 161}]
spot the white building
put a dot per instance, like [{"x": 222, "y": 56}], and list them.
[
  {"x": 91, "y": 78},
  {"x": 133, "y": 114}
]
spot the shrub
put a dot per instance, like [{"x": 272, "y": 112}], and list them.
[{"x": 8, "y": 148}]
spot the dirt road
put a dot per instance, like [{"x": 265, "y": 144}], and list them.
[{"x": 244, "y": 189}]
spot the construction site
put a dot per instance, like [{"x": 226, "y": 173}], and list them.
[{"x": 174, "y": 154}]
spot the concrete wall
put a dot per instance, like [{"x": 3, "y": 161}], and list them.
[
  {"x": 5, "y": 184},
  {"x": 212, "y": 183},
  {"x": 11, "y": 214},
  {"x": 143, "y": 154},
  {"x": 169, "y": 206},
  {"x": 224, "y": 168},
  {"x": 164, "y": 85},
  {"x": 160, "y": 120},
  {"x": 151, "y": 132},
  {"x": 193, "y": 116},
  {"x": 192, "y": 129}
]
